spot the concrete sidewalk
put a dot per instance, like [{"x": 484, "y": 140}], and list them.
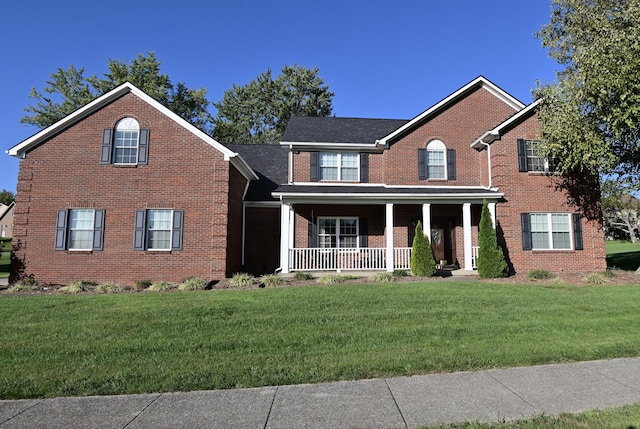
[{"x": 403, "y": 402}]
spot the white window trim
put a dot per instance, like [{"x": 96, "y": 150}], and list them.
[
  {"x": 147, "y": 227},
  {"x": 126, "y": 124},
  {"x": 339, "y": 166},
  {"x": 70, "y": 230},
  {"x": 437, "y": 146},
  {"x": 337, "y": 219},
  {"x": 550, "y": 231},
  {"x": 546, "y": 166}
]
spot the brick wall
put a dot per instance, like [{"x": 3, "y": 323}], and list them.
[{"x": 183, "y": 173}]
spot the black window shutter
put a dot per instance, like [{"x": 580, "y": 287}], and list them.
[
  {"x": 364, "y": 167},
  {"x": 61, "y": 230},
  {"x": 527, "y": 243},
  {"x": 106, "y": 148},
  {"x": 139, "y": 230},
  {"x": 422, "y": 164},
  {"x": 143, "y": 147},
  {"x": 98, "y": 230},
  {"x": 314, "y": 167},
  {"x": 176, "y": 232},
  {"x": 451, "y": 164},
  {"x": 522, "y": 155},
  {"x": 363, "y": 232},
  {"x": 313, "y": 234},
  {"x": 577, "y": 232}
]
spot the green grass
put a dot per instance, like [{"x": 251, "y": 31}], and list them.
[
  {"x": 623, "y": 254},
  {"x": 5, "y": 257},
  {"x": 61, "y": 345},
  {"x": 627, "y": 417}
]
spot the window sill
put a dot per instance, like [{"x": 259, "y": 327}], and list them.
[
  {"x": 125, "y": 165},
  {"x": 79, "y": 251},
  {"x": 544, "y": 251}
]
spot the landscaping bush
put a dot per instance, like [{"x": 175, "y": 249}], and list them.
[
  {"x": 271, "y": 280},
  {"x": 77, "y": 286},
  {"x": 596, "y": 279},
  {"x": 422, "y": 262},
  {"x": 192, "y": 283},
  {"x": 539, "y": 275},
  {"x": 143, "y": 284},
  {"x": 242, "y": 280},
  {"x": 109, "y": 288},
  {"x": 300, "y": 275},
  {"x": 27, "y": 284},
  {"x": 162, "y": 287},
  {"x": 383, "y": 278},
  {"x": 491, "y": 262},
  {"x": 331, "y": 279},
  {"x": 400, "y": 273}
]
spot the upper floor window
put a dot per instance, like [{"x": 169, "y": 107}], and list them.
[
  {"x": 126, "y": 144},
  {"x": 530, "y": 159},
  {"x": 339, "y": 166},
  {"x": 436, "y": 162},
  {"x": 79, "y": 229}
]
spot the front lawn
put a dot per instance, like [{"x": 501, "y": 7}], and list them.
[
  {"x": 623, "y": 254},
  {"x": 59, "y": 345},
  {"x": 5, "y": 257}
]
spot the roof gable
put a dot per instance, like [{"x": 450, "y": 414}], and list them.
[
  {"x": 495, "y": 133},
  {"x": 478, "y": 83},
  {"x": 21, "y": 149}
]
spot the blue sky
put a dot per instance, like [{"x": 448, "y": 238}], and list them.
[{"x": 382, "y": 59}]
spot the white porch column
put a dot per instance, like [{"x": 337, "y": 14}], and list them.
[
  {"x": 389, "y": 234},
  {"x": 285, "y": 232},
  {"x": 426, "y": 220},
  {"x": 466, "y": 230},
  {"x": 492, "y": 210}
]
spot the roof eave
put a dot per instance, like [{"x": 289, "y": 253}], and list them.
[{"x": 377, "y": 145}]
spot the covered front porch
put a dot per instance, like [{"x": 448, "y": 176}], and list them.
[{"x": 362, "y": 232}]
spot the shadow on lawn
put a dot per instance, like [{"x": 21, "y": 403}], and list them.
[{"x": 628, "y": 261}]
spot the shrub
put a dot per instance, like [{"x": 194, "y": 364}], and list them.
[
  {"x": 539, "y": 275},
  {"x": 609, "y": 274},
  {"x": 331, "y": 279},
  {"x": 192, "y": 283},
  {"x": 422, "y": 261},
  {"x": 596, "y": 279},
  {"x": 242, "y": 280},
  {"x": 109, "y": 288},
  {"x": 27, "y": 284},
  {"x": 491, "y": 262},
  {"x": 299, "y": 275},
  {"x": 162, "y": 287},
  {"x": 77, "y": 286},
  {"x": 143, "y": 284},
  {"x": 271, "y": 280},
  {"x": 400, "y": 273},
  {"x": 383, "y": 278}
]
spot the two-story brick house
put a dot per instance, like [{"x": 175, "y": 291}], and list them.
[{"x": 124, "y": 190}]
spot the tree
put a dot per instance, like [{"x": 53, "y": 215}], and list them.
[
  {"x": 590, "y": 114},
  {"x": 68, "y": 90},
  {"x": 6, "y": 197},
  {"x": 422, "y": 262},
  {"x": 491, "y": 262},
  {"x": 620, "y": 209},
  {"x": 259, "y": 111}
]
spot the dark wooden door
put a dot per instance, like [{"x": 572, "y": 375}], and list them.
[{"x": 442, "y": 240}]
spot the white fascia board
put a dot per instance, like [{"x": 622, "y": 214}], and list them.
[
  {"x": 508, "y": 99},
  {"x": 380, "y": 198},
  {"x": 494, "y": 134},
  {"x": 333, "y": 146}
]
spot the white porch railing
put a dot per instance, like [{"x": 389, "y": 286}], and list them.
[{"x": 366, "y": 258}]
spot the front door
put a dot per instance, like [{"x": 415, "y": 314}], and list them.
[{"x": 442, "y": 240}]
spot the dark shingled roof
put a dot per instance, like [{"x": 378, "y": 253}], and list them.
[
  {"x": 309, "y": 129},
  {"x": 270, "y": 164}
]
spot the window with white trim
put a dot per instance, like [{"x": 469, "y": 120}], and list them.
[
  {"x": 530, "y": 158},
  {"x": 158, "y": 229},
  {"x": 436, "y": 160},
  {"x": 338, "y": 232},
  {"x": 550, "y": 230},
  {"x": 339, "y": 166},
  {"x": 125, "y": 141},
  {"x": 79, "y": 229}
]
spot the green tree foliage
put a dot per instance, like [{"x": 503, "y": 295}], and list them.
[
  {"x": 259, "y": 111},
  {"x": 491, "y": 262},
  {"x": 422, "y": 261},
  {"x": 68, "y": 90},
  {"x": 6, "y": 197},
  {"x": 591, "y": 112}
]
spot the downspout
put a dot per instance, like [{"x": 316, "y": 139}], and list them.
[{"x": 488, "y": 160}]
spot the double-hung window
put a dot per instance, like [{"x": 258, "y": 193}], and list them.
[
  {"x": 341, "y": 232},
  {"x": 553, "y": 231},
  {"x": 79, "y": 229},
  {"x": 158, "y": 229},
  {"x": 126, "y": 144},
  {"x": 530, "y": 159},
  {"x": 436, "y": 162},
  {"x": 339, "y": 166}
]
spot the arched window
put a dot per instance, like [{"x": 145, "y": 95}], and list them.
[
  {"x": 436, "y": 160},
  {"x": 125, "y": 141}
]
